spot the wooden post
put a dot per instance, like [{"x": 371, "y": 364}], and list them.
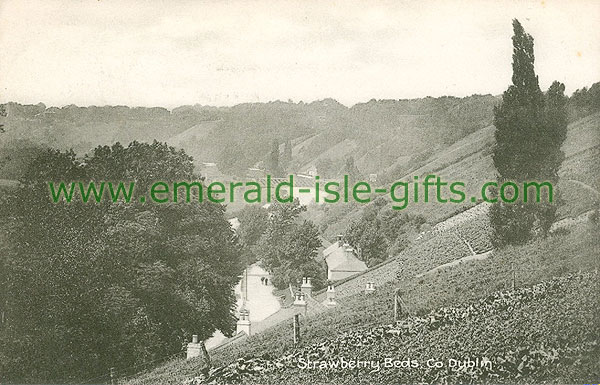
[
  {"x": 246, "y": 282},
  {"x": 205, "y": 355},
  {"x": 514, "y": 276},
  {"x": 296, "y": 329},
  {"x": 396, "y": 292}
]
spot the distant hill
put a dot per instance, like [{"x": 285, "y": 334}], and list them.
[
  {"x": 376, "y": 132},
  {"x": 469, "y": 160}
]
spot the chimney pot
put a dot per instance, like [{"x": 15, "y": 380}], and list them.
[
  {"x": 370, "y": 287},
  {"x": 306, "y": 288}
]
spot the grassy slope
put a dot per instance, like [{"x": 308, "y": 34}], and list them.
[
  {"x": 531, "y": 335},
  {"x": 469, "y": 161},
  {"x": 534, "y": 262},
  {"x": 459, "y": 282}
]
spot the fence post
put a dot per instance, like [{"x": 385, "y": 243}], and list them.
[
  {"x": 296, "y": 329},
  {"x": 205, "y": 355},
  {"x": 396, "y": 293},
  {"x": 514, "y": 276}
]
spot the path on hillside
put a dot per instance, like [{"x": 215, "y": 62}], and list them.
[
  {"x": 586, "y": 186},
  {"x": 468, "y": 258},
  {"x": 570, "y": 221},
  {"x": 466, "y": 243},
  {"x": 9, "y": 182}
]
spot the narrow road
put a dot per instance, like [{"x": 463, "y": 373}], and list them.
[{"x": 260, "y": 302}]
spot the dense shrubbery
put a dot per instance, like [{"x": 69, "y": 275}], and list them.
[
  {"x": 420, "y": 258},
  {"x": 382, "y": 231},
  {"x": 584, "y": 102},
  {"x": 527, "y": 335},
  {"x": 288, "y": 247},
  {"x": 85, "y": 287}
]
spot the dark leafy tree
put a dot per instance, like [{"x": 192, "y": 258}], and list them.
[
  {"x": 100, "y": 285},
  {"x": 327, "y": 168},
  {"x": 351, "y": 170},
  {"x": 289, "y": 246},
  {"x": 286, "y": 158},
  {"x": 253, "y": 223},
  {"x": 530, "y": 129},
  {"x": 273, "y": 162},
  {"x": 381, "y": 231}
]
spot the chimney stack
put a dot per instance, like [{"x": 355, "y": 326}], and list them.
[
  {"x": 306, "y": 287},
  {"x": 194, "y": 348},
  {"x": 300, "y": 303},
  {"x": 299, "y": 299},
  {"x": 330, "y": 296},
  {"x": 243, "y": 323},
  {"x": 348, "y": 250},
  {"x": 370, "y": 287},
  {"x": 340, "y": 239}
]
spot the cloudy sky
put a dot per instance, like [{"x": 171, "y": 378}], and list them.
[{"x": 168, "y": 53}]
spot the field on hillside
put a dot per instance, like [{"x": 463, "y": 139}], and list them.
[
  {"x": 469, "y": 161},
  {"x": 530, "y": 264},
  {"x": 458, "y": 293},
  {"x": 534, "y": 334}
]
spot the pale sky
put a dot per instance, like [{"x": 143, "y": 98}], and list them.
[{"x": 169, "y": 53}]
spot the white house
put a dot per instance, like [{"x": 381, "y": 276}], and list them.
[{"x": 342, "y": 261}]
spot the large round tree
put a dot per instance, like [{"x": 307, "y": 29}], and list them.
[{"x": 111, "y": 284}]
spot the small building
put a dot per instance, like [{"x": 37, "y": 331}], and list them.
[
  {"x": 235, "y": 223},
  {"x": 342, "y": 261},
  {"x": 311, "y": 170}
]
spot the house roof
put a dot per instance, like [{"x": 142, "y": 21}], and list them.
[
  {"x": 351, "y": 265},
  {"x": 331, "y": 248},
  {"x": 341, "y": 259}
]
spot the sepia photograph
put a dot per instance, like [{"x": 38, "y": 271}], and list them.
[{"x": 301, "y": 192}]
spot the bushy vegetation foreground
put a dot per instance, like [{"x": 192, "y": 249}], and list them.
[
  {"x": 567, "y": 310},
  {"x": 546, "y": 332}
]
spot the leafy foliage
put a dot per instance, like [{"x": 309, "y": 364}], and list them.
[
  {"x": 98, "y": 285},
  {"x": 288, "y": 247},
  {"x": 530, "y": 130},
  {"x": 584, "y": 102},
  {"x": 381, "y": 231},
  {"x": 526, "y": 335}
]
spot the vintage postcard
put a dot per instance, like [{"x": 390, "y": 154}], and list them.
[{"x": 299, "y": 192}]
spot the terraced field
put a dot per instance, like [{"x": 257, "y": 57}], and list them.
[
  {"x": 460, "y": 286},
  {"x": 458, "y": 237},
  {"x": 418, "y": 258},
  {"x": 534, "y": 334}
]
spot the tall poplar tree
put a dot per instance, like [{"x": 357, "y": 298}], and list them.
[
  {"x": 530, "y": 129},
  {"x": 273, "y": 165}
]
